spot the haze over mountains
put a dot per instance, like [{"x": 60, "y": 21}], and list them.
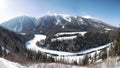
[{"x": 54, "y": 23}]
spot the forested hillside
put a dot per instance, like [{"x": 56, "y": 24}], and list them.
[{"x": 12, "y": 47}]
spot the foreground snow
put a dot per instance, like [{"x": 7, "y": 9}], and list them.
[
  {"x": 8, "y": 64},
  {"x": 54, "y": 65},
  {"x": 109, "y": 63}
]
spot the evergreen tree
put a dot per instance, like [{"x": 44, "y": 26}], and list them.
[
  {"x": 0, "y": 51},
  {"x": 85, "y": 59},
  {"x": 117, "y": 43}
]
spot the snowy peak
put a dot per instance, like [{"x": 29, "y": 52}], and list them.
[
  {"x": 89, "y": 17},
  {"x": 56, "y": 14}
]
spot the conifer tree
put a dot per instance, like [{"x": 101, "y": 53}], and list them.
[
  {"x": 0, "y": 51},
  {"x": 117, "y": 43}
]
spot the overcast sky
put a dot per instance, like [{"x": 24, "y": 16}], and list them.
[{"x": 105, "y": 10}]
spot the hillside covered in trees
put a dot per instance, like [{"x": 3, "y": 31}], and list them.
[
  {"x": 91, "y": 39},
  {"x": 12, "y": 47}
]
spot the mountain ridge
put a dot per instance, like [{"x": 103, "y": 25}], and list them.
[{"x": 53, "y": 23}]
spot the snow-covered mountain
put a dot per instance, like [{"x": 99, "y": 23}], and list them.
[
  {"x": 22, "y": 24},
  {"x": 53, "y": 23}
]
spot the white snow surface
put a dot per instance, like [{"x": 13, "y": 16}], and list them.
[
  {"x": 64, "y": 16},
  {"x": 107, "y": 29},
  {"x": 81, "y": 21},
  {"x": 8, "y": 64},
  {"x": 71, "y": 33},
  {"x": 64, "y": 38},
  {"x": 110, "y": 63},
  {"x": 89, "y": 17},
  {"x": 54, "y": 65}
]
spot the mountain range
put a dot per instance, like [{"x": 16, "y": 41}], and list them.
[{"x": 54, "y": 23}]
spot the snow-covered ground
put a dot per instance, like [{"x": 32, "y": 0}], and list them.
[
  {"x": 71, "y": 33},
  {"x": 67, "y": 37},
  {"x": 108, "y": 29},
  {"x": 54, "y": 65},
  {"x": 8, "y": 64},
  {"x": 108, "y": 63},
  {"x": 64, "y": 38}
]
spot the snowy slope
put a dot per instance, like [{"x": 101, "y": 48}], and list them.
[
  {"x": 8, "y": 64},
  {"x": 108, "y": 29},
  {"x": 109, "y": 63},
  {"x": 63, "y": 38},
  {"x": 32, "y": 43},
  {"x": 70, "y": 33},
  {"x": 54, "y": 65},
  {"x": 67, "y": 37},
  {"x": 18, "y": 24}
]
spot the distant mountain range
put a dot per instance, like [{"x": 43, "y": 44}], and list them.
[{"x": 54, "y": 23}]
